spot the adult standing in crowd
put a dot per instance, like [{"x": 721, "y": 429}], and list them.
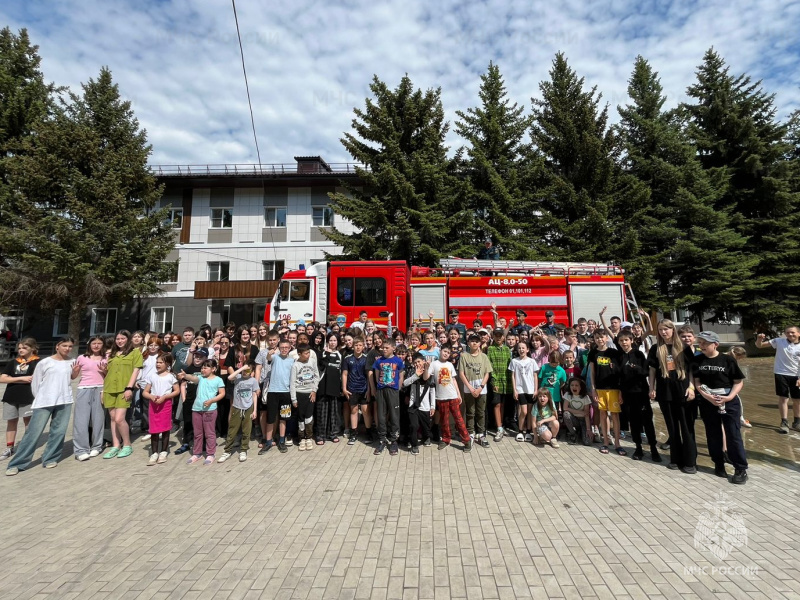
[{"x": 787, "y": 374}]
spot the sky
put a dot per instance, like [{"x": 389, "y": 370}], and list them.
[{"x": 310, "y": 62}]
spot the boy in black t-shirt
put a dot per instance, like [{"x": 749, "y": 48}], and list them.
[
  {"x": 634, "y": 387},
  {"x": 604, "y": 367},
  {"x": 719, "y": 380}
]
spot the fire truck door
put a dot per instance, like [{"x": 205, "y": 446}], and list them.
[{"x": 425, "y": 298}]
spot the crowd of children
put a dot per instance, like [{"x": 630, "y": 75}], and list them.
[{"x": 587, "y": 384}]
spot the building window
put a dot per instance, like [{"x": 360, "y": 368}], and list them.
[
  {"x": 175, "y": 218},
  {"x": 104, "y": 321},
  {"x": 272, "y": 269},
  {"x": 322, "y": 216},
  {"x": 361, "y": 291},
  {"x": 221, "y": 218},
  {"x": 61, "y": 323},
  {"x": 172, "y": 275},
  {"x": 219, "y": 271},
  {"x": 275, "y": 217},
  {"x": 161, "y": 319}
]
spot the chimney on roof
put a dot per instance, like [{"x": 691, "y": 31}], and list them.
[{"x": 312, "y": 164}]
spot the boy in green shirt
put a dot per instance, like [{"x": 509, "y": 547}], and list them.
[{"x": 500, "y": 383}]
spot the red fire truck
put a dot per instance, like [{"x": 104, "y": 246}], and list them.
[{"x": 344, "y": 289}]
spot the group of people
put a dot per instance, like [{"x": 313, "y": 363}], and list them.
[{"x": 592, "y": 383}]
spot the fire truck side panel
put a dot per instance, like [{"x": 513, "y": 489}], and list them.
[
  {"x": 589, "y": 294},
  {"x": 534, "y": 294},
  {"x": 374, "y": 286}
]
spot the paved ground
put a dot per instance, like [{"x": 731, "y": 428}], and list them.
[{"x": 511, "y": 521}]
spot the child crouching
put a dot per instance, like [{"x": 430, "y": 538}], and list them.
[
  {"x": 545, "y": 419},
  {"x": 577, "y": 411}
]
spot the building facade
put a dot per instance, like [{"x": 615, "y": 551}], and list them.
[{"x": 237, "y": 229}]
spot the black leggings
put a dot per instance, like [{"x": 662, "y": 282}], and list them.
[
  {"x": 159, "y": 442},
  {"x": 641, "y": 414}
]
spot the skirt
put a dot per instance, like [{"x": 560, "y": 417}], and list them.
[{"x": 160, "y": 416}]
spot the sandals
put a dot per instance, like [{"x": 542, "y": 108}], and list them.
[
  {"x": 621, "y": 451},
  {"x": 125, "y": 452},
  {"x": 112, "y": 452},
  {"x": 603, "y": 449},
  {"x": 320, "y": 442},
  {"x": 335, "y": 439}
]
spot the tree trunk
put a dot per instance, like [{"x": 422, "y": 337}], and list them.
[{"x": 76, "y": 309}]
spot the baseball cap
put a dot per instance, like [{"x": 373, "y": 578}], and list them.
[
  {"x": 548, "y": 313},
  {"x": 708, "y": 336},
  {"x": 483, "y": 330},
  {"x": 487, "y": 241},
  {"x": 202, "y": 352},
  {"x": 521, "y": 313},
  {"x": 473, "y": 337},
  {"x": 498, "y": 331}
]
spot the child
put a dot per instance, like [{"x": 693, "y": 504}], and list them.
[
  {"x": 243, "y": 410},
  {"x": 52, "y": 401},
  {"x": 569, "y": 365},
  {"x": 500, "y": 357},
  {"x": 553, "y": 377},
  {"x": 524, "y": 383},
  {"x": 474, "y": 370},
  {"x": 385, "y": 380},
  {"x": 18, "y": 397},
  {"x": 634, "y": 389},
  {"x": 738, "y": 353},
  {"x": 448, "y": 399},
  {"x": 421, "y": 403},
  {"x": 330, "y": 389},
  {"x": 354, "y": 387},
  {"x": 210, "y": 390},
  {"x": 719, "y": 380},
  {"x": 279, "y": 399},
  {"x": 577, "y": 411},
  {"x": 159, "y": 390},
  {"x": 188, "y": 395},
  {"x": 604, "y": 366},
  {"x": 89, "y": 403},
  {"x": 150, "y": 353},
  {"x": 303, "y": 391},
  {"x": 545, "y": 419}
]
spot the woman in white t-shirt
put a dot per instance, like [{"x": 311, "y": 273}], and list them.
[
  {"x": 787, "y": 374},
  {"x": 525, "y": 382}
]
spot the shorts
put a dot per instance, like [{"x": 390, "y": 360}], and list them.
[
  {"x": 498, "y": 398},
  {"x": 357, "y": 399},
  {"x": 117, "y": 400},
  {"x": 524, "y": 399},
  {"x": 786, "y": 387},
  {"x": 608, "y": 400},
  {"x": 275, "y": 400},
  {"x": 12, "y": 411}
]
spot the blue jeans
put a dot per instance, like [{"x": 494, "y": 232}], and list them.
[{"x": 59, "y": 419}]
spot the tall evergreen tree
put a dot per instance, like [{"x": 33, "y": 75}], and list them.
[
  {"x": 402, "y": 212},
  {"x": 732, "y": 123},
  {"x": 79, "y": 226},
  {"x": 493, "y": 165},
  {"x": 689, "y": 247},
  {"x": 587, "y": 207}
]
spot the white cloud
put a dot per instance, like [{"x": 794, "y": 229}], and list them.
[{"x": 310, "y": 62}]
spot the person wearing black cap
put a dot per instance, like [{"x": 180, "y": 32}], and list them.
[
  {"x": 719, "y": 380},
  {"x": 521, "y": 324},
  {"x": 488, "y": 252},
  {"x": 454, "y": 324},
  {"x": 548, "y": 327}
]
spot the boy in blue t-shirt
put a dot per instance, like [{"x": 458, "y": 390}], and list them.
[{"x": 385, "y": 380}]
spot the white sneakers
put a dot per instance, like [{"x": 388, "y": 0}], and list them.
[
  {"x": 162, "y": 458},
  {"x": 94, "y": 453},
  {"x": 225, "y": 456},
  {"x": 153, "y": 459},
  {"x": 242, "y": 456},
  {"x": 82, "y": 457},
  {"x": 145, "y": 437}
]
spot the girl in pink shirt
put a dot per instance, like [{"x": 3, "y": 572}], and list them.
[{"x": 90, "y": 367}]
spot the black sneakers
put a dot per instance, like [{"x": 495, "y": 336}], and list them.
[
  {"x": 720, "y": 471},
  {"x": 655, "y": 456},
  {"x": 443, "y": 445},
  {"x": 739, "y": 477},
  {"x": 265, "y": 448},
  {"x": 784, "y": 426},
  {"x": 638, "y": 454},
  {"x": 414, "y": 450},
  {"x": 379, "y": 448},
  {"x": 282, "y": 447},
  {"x": 393, "y": 449}
]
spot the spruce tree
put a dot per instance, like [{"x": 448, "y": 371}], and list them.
[
  {"x": 402, "y": 211},
  {"x": 732, "y": 123},
  {"x": 688, "y": 246},
  {"x": 587, "y": 208},
  {"x": 79, "y": 226},
  {"x": 493, "y": 166}
]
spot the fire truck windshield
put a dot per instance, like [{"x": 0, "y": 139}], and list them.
[{"x": 294, "y": 291}]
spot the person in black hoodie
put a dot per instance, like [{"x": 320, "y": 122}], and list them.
[
  {"x": 329, "y": 390},
  {"x": 633, "y": 384}
]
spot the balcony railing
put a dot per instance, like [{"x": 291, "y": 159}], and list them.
[{"x": 262, "y": 170}]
